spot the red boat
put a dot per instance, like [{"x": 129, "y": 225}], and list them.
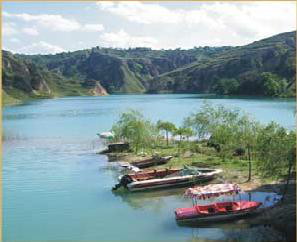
[{"x": 216, "y": 212}]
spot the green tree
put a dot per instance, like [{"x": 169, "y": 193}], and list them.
[
  {"x": 246, "y": 136},
  {"x": 229, "y": 128},
  {"x": 200, "y": 121},
  {"x": 273, "y": 85},
  {"x": 227, "y": 86},
  {"x": 134, "y": 128},
  {"x": 275, "y": 148},
  {"x": 168, "y": 127},
  {"x": 182, "y": 132},
  {"x": 209, "y": 117}
]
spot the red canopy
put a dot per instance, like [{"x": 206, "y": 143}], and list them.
[{"x": 212, "y": 190}]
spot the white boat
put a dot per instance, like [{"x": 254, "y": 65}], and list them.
[
  {"x": 106, "y": 135},
  {"x": 165, "y": 178}
]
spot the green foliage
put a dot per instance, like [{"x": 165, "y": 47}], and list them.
[
  {"x": 271, "y": 147},
  {"x": 273, "y": 85},
  {"x": 237, "y": 70},
  {"x": 168, "y": 127},
  {"x": 223, "y": 70},
  {"x": 276, "y": 149},
  {"x": 229, "y": 129},
  {"x": 135, "y": 129},
  {"x": 209, "y": 117},
  {"x": 227, "y": 86}
]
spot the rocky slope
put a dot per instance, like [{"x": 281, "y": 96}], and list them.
[
  {"x": 239, "y": 69},
  {"x": 265, "y": 67}
]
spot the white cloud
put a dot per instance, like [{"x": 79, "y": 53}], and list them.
[
  {"x": 122, "y": 39},
  {"x": 149, "y": 24},
  {"x": 30, "y": 31},
  {"x": 14, "y": 40},
  {"x": 8, "y": 29},
  {"x": 105, "y": 5},
  {"x": 141, "y": 12},
  {"x": 93, "y": 27},
  {"x": 245, "y": 20},
  {"x": 54, "y": 23},
  {"x": 40, "y": 47}
]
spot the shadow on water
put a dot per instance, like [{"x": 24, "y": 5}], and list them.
[
  {"x": 241, "y": 97},
  {"x": 139, "y": 200},
  {"x": 258, "y": 227}
]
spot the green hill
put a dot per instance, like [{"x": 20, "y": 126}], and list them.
[{"x": 265, "y": 67}]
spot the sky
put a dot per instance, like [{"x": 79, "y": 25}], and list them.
[{"x": 53, "y": 27}]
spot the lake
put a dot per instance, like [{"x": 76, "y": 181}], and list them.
[{"x": 55, "y": 186}]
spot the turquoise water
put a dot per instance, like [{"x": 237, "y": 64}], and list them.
[{"x": 56, "y": 188}]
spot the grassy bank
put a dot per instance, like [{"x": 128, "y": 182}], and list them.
[{"x": 235, "y": 170}]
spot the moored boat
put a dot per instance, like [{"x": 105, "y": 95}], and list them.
[
  {"x": 116, "y": 148},
  {"x": 154, "y": 161},
  {"x": 215, "y": 212},
  {"x": 166, "y": 178},
  {"x": 106, "y": 135}
]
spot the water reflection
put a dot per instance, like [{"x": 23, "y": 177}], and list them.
[
  {"x": 151, "y": 199},
  {"x": 51, "y": 170}
]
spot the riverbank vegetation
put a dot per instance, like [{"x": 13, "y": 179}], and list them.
[{"x": 213, "y": 136}]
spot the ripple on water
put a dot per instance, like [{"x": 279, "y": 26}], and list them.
[{"x": 56, "y": 188}]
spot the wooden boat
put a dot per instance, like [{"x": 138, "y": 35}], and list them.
[
  {"x": 116, "y": 148},
  {"x": 154, "y": 161},
  {"x": 165, "y": 178},
  {"x": 217, "y": 212}
]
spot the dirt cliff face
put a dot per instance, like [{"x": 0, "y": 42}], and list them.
[
  {"x": 275, "y": 55},
  {"x": 23, "y": 76},
  {"x": 98, "y": 90},
  {"x": 143, "y": 70}
]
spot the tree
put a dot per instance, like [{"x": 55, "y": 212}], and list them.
[
  {"x": 205, "y": 121},
  {"x": 275, "y": 149},
  {"x": 168, "y": 127},
  {"x": 183, "y": 132},
  {"x": 227, "y": 86},
  {"x": 132, "y": 127},
  {"x": 273, "y": 85},
  {"x": 246, "y": 136},
  {"x": 201, "y": 120},
  {"x": 229, "y": 129}
]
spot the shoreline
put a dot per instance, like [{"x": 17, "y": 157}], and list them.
[
  {"x": 281, "y": 216},
  {"x": 16, "y": 102}
]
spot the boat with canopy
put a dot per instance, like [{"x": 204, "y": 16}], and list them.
[{"x": 215, "y": 212}]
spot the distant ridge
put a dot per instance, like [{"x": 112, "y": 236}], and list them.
[{"x": 265, "y": 67}]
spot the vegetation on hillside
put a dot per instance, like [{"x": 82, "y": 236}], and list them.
[
  {"x": 244, "y": 70},
  {"x": 265, "y": 67}
]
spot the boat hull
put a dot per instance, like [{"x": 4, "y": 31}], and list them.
[
  {"x": 151, "y": 162},
  {"x": 163, "y": 178},
  {"x": 155, "y": 184},
  {"x": 190, "y": 215}
]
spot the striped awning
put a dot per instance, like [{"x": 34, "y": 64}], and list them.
[{"x": 212, "y": 190}]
